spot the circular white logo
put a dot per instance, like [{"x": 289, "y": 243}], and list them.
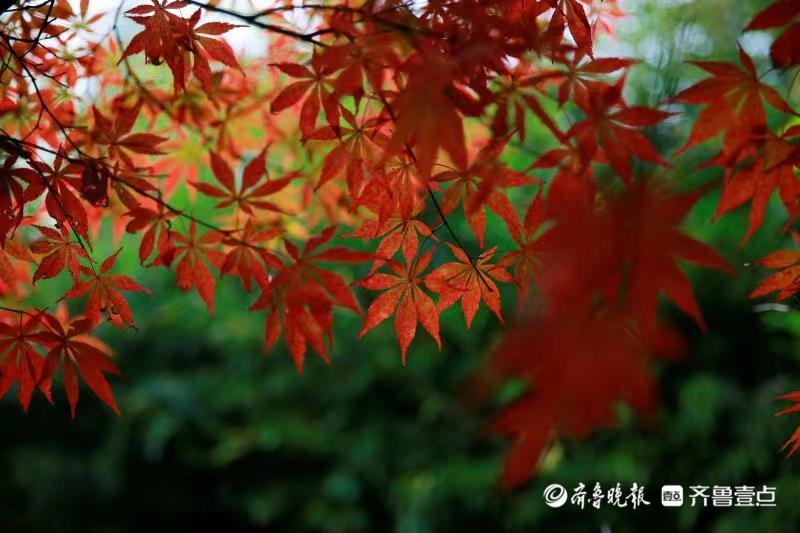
[{"x": 555, "y": 495}]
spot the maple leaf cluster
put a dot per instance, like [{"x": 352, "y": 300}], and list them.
[{"x": 351, "y": 145}]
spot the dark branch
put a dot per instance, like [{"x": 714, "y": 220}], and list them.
[
  {"x": 252, "y": 20},
  {"x": 5, "y": 5}
]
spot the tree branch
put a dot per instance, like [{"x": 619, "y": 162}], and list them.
[
  {"x": 253, "y": 21},
  {"x": 5, "y": 5}
]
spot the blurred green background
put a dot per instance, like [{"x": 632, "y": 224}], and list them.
[{"x": 214, "y": 435}]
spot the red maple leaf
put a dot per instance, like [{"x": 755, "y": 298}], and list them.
[
  {"x": 192, "y": 270},
  {"x": 62, "y": 181},
  {"x": 786, "y": 282},
  {"x": 793, "y": 443},
  {"x": 157, "y": 40},
  {"x": 62, "y": 252},
  {"x": 403, "y": 297},
  {"x": 572, "y": 189},
  {"x": 483, "y": 184},
  {"x": 733, "y": 99},
  {"x": 527, "y": 259},
  {"x": 20, "y": 362},
  {"x": 578, "y": 75},
  {"x": 14, "y": 272},
  {"x": 314, "y": 85},
  {"x": 81, "y": 354},
  {"x": 13, "y": 194},
  {"x": 583, "y": 364},
  {"x": 117, "y": 137},
  {"x": 104, "y": 296},
  {"x": 568, "y": 13},
  {"x": 784, "y": 51},
  {"x": 614, "y": 126},
  {"x": 397, "y": 189},
  {"x": 469, "y": 282},
  {"x": 171, "y": 38},
  {"x": 248, "y": 194},
  {"x": 395, "y": 235},
  {"x": 427, "y": 114},
  {"x": 356, "y": 155},
  {"x": 518, "y": 92},
  {"x": 157, "y": 235},
  {"x": 754, "y": 170},
  {"x": 247, "y": 258},
  {"x": 300, "y": 297},
  {"x": 647, "y": 221},
  {"x": 205, "y": 48},
  {"x": 635, "y": 245}
]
